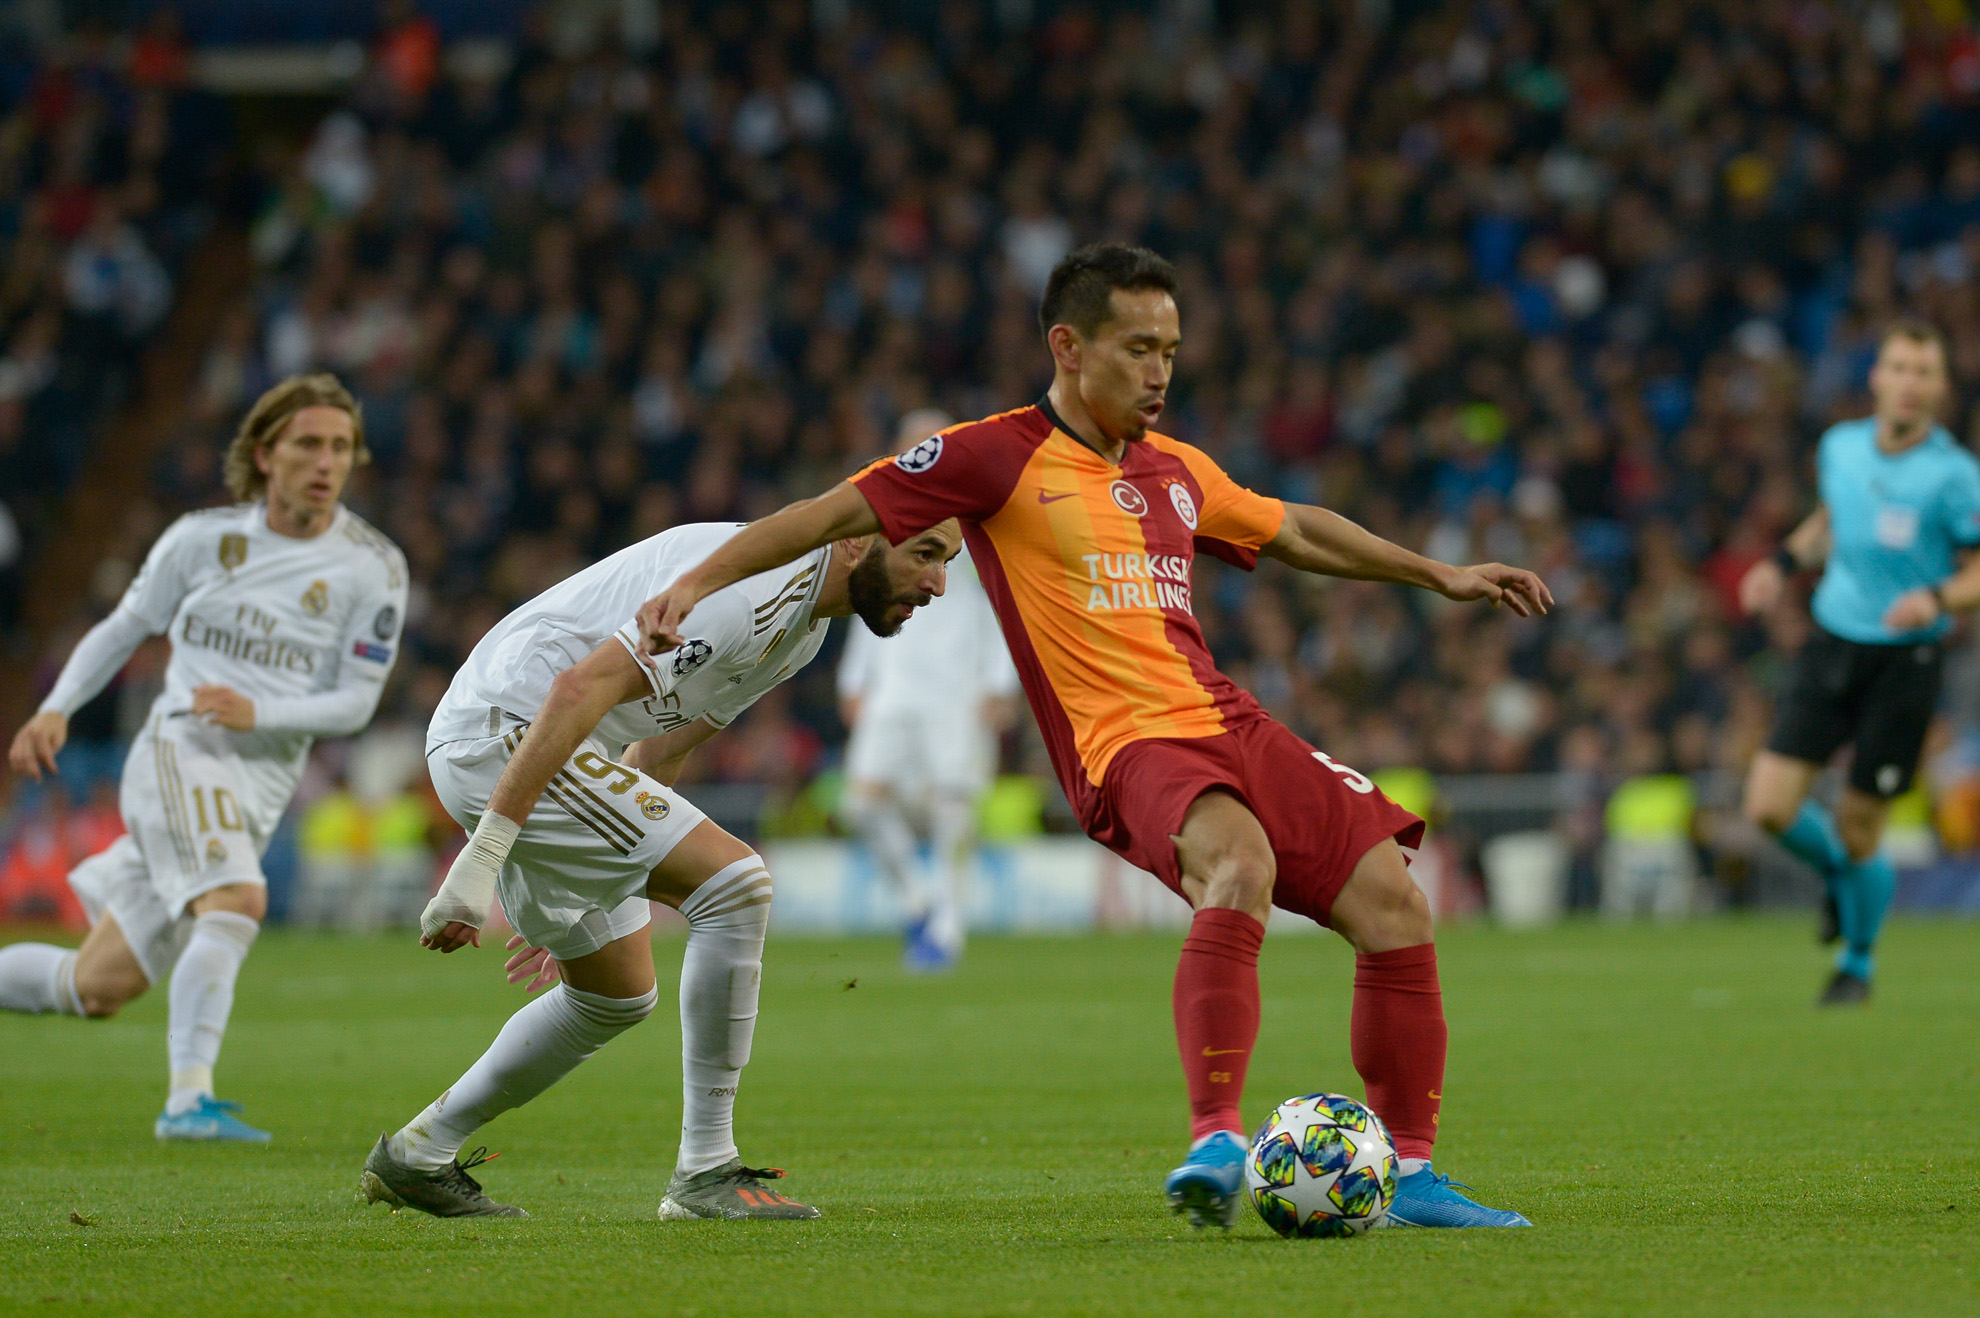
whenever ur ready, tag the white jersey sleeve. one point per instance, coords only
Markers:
(161, 584)
(103, 650)
(740, 641)
(364, 660)
(147, 609)
(717, 631)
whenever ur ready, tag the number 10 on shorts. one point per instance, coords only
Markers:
(226, 810)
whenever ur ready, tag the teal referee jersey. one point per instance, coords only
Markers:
(1897, 522)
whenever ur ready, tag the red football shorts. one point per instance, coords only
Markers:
(1321, 818)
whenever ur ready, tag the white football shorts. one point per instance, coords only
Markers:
(190, 804)
(116, 880)
(914, 749)
(576, 877)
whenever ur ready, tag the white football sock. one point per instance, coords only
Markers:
(539, 1045)
(1410, 1166)
(888, 838)
(202, 997)
(37, 977)
(952, 822)
(723, 969)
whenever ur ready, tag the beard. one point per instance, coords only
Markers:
(867, 588)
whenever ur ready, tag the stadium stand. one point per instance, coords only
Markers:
(1568, 285)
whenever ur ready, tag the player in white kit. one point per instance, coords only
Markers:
(556, 747)
(284, 613)
(925, 709)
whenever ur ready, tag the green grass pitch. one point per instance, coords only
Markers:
(1688, 1133)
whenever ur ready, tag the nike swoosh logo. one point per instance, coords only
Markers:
(1439, 1097)
(1220, 1052)
(1053, 498)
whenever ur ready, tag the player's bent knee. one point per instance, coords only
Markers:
(103, 996)
(1859, 842)
(1860, 824)
(249, 899)
(1252, 879)
(1764, 809)
(1236, 880)
(1405, 914)
(1382, 909)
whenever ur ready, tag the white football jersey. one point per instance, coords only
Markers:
(269, 615)
(952, 651)
(739, 642)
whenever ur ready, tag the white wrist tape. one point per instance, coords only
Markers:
(469, 889)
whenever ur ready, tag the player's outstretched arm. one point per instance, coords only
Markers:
(103, 650)
(579, 697)
(37, 743)
(1315, 540)
(840, 513)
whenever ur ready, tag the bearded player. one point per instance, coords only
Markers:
(557, 748)
(1899, 511)
(283, 612)
(1083, 523)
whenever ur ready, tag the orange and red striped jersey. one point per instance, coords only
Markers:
(1087, 563)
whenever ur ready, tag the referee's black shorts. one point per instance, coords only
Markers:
(1877, 698)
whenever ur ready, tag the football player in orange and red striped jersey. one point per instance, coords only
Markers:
(1084, 522)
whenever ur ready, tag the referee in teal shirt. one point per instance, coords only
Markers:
(1899, 513)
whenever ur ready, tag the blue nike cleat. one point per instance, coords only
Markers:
(1424, 1198)
(212, 1119)
(1210, 1186)
(924, 954)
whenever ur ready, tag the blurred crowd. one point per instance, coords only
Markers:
(110, 171)
(1569, 285)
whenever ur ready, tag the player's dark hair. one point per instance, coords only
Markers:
(1918, 330)
(1081, 288)
(263, 424)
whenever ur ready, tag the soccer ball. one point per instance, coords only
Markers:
(1321, 1165)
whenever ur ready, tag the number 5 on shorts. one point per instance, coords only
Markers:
(1355, 780)
(596, 766)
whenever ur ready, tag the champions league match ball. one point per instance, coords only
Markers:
(1321, 1165)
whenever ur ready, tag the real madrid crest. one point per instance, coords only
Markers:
(233, 550)
(316, 599)
(651, 804)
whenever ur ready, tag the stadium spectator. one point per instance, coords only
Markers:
(108, 174)
(1571, 285)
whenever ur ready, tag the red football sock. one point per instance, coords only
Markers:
(1216, 1004)
(1398, 1038)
